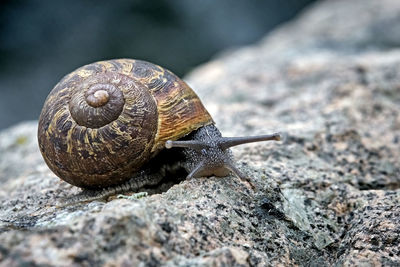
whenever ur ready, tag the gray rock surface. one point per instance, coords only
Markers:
(329, 195)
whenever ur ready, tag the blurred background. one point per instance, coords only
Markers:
(42, 40)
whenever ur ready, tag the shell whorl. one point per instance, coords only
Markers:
(98, 100)
(103, 121)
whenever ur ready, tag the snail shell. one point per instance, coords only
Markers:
(103, 121)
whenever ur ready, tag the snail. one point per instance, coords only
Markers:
(102, 124)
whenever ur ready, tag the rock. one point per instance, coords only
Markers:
(19, 151)
(329, 195)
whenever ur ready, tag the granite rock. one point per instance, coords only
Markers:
(328, 195)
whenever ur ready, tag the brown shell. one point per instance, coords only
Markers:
(102, 122)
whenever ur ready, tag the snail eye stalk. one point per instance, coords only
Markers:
(227, 142)
(223, 142)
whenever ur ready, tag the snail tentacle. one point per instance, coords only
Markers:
(227, 142)
(199, 167)
(193, 144)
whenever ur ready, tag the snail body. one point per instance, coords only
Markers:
(104, 121)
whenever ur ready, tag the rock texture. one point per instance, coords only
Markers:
(329, 195)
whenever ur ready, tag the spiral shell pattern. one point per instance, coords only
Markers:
(102, 122)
